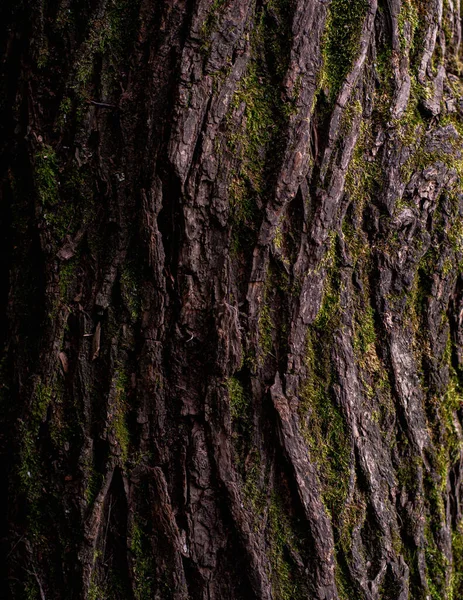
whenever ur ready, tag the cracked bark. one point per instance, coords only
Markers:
(232, 332)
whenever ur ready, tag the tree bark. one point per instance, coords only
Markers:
(232, 332)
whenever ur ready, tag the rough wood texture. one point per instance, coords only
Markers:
(232, 331)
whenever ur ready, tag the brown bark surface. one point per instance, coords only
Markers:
(232, 325)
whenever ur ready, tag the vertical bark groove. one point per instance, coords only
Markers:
(231, 238)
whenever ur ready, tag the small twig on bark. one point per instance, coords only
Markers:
(20, 539)
(102, 104)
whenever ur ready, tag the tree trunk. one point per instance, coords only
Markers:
(232, 330)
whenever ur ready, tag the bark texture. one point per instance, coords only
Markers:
(232, 330)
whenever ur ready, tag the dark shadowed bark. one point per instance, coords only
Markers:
(232, 325)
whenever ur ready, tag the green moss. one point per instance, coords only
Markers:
(281, 571)
(29, 468)
(266, 328)
(455, 237)
(278, 239)
(437, 568)
(437, 564)
(408, 23)
(261, 107)
(123, 25)
(46, 176)
(110, 37)
(363, 176)
(64, 111)
(285, 583)
(384, 92)
(97, 591)
(66, 276)
(328, 313)
(341, 42)
(239, 400)
(242, 422)
(95, 481)
(457, 552)
(411, 128)
(373, 375)
(452, 401)
(119, 417)
(418, 15)
(371, 371)
(343, 582)
(256, 142)
(130, 289)
(43, 54)
(254, 488)
(42, 399)
(441, 407)
(325, 429)
(247, 456)
(327, 439)
(31, 588)
(210, 24)
(65, 193)
(365, 334)
(142, 563)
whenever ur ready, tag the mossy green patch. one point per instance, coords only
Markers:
(261, 108)
(247, 455)
(437, 564)
(365, 350)
(95, 481)
(363, 179)
(457, 552)
(239, 400)
(325, 429)
(142, 563)
(256, 141)
(365, 334)
(210, 24)
(119, 416)
(416, 12)
(408, 22)
(266, 328)
(66, 276)
(341, 43)
(111, 37)
(46, 176)
(65, 192)
(241, 420)
(31, 588)
(450, 404)
(254, 486)
(97, 591)
(384, 92)
(29, 469)
(130, 281)
(64, 112)
(123, 23)
(286, 584)
(437, 568)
